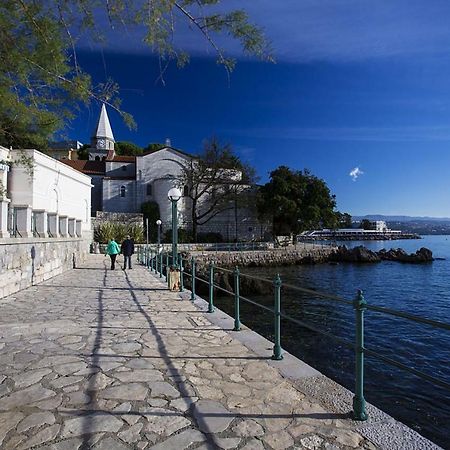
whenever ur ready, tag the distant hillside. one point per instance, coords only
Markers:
(410, 224)
(402, 218)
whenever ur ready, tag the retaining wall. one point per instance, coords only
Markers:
(25, 262)
(264, 258)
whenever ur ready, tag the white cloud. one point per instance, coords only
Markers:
(355, 173)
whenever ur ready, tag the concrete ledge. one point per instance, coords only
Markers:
(33, 240)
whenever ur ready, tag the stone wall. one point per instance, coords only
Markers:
(26, 262)
(306, 254)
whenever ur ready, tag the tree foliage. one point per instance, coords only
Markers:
(296, 201)
(41, 83)
(127, 148)
(344, 220)
(215, 181)
(150, 210)
(153, 147)
(365, 224)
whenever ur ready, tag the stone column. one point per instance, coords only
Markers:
(78, 227)
(4, 203)
(71, 227)
(63, 226)
(40, 222)
(53, 229)
(23, 220)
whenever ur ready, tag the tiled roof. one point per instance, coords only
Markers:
(87, 167)
(120, 158)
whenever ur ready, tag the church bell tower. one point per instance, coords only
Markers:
(103, 140)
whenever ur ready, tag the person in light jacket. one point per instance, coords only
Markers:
(112, 249)
(127, 249)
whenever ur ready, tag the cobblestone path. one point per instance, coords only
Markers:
(111, 360)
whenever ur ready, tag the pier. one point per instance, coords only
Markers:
(103, 359)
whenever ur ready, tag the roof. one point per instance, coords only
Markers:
(149, 152)
(87, 167)
(104, 127)
(122, 158)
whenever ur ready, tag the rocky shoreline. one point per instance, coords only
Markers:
(331, 255)
(362, 254)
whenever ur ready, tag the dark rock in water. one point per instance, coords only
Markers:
(358, 254)
(421, 256)
(362, 254)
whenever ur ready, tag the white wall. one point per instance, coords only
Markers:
(54, 187)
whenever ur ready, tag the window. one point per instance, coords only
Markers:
(123, 191)
(186, 190)
(149, 189)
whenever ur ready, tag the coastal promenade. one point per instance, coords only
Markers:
(109, 360)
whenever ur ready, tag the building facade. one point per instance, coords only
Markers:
(42, 197)
(122, 184)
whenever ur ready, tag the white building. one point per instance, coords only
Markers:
(42, 197)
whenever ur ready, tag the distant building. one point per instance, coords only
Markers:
(123, 183)
(64, 150)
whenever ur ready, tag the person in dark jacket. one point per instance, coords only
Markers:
(127, 249)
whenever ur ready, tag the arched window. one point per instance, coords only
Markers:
(149, 189)
(97, 158)
(186, 190)
(123, 191)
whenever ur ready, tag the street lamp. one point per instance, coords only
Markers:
(174, 195)
(158, 224)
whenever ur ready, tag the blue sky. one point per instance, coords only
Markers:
(359, 87)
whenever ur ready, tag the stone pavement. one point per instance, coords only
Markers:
(112, 360)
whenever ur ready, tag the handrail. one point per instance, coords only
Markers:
(359, 305)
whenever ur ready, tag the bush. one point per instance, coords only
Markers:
(184, 236)
(109, 230)
(209, 238)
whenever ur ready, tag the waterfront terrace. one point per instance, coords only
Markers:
(105, 359)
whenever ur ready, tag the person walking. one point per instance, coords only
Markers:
(112, 249)
(127, 250)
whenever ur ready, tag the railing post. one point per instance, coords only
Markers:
(161, 264)
(211, 288)
(167, 266)
(237, 319)
(193, 279)
(359, 403)
(168, 271)
(277, 312)
(180, 258)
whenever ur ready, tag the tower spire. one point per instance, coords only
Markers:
(102, 142)
(104, 127)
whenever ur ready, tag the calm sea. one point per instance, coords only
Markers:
(423, 290)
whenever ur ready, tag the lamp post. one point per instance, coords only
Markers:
(174, 195)
(158, 224)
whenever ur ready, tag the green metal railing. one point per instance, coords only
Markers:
(359, 305)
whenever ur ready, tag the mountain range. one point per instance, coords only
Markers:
(402, 218)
